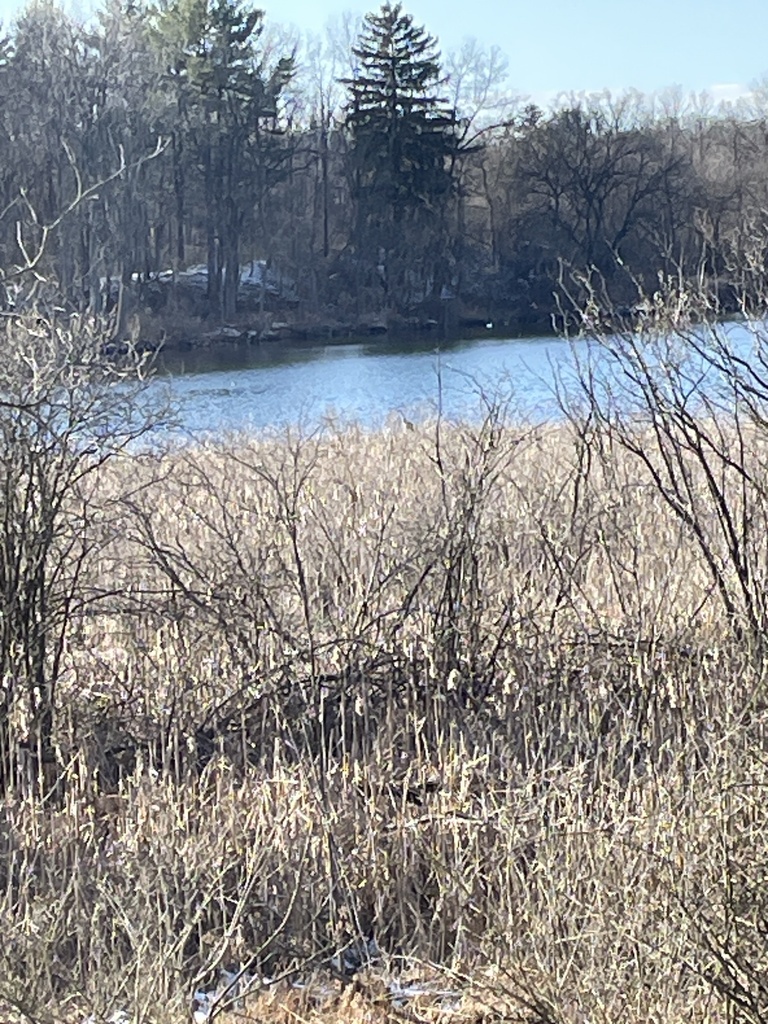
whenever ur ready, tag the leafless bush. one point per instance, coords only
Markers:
(466, 688)
(66, 408)
(682, 396)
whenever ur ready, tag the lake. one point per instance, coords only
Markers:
(275, 385)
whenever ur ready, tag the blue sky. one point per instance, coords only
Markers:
(580, 45)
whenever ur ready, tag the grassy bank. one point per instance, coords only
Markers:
(469, 691)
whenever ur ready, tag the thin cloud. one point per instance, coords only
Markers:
(728, 92)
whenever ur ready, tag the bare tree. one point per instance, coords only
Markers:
(70, 400)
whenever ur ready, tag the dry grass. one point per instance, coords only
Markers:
(444, 685)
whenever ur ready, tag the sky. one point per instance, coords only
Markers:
(557, 46)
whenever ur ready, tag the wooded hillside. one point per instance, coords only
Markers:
(370, 172)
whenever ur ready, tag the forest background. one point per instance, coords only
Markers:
(367, 176)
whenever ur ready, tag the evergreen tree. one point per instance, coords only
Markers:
(403, 145)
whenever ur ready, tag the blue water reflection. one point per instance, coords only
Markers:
(274, 386)
(277, 385)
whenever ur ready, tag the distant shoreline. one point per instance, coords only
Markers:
(201, 337)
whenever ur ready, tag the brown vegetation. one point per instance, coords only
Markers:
(492, 696)
(469, 689)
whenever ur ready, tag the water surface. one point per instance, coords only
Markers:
(280, 384)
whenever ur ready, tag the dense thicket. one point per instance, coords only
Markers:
(372, 174)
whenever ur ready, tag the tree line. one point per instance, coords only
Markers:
(369, 170)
